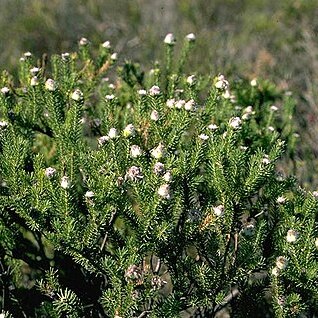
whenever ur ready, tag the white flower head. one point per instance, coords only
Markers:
(89, 194)
(316, 242)
(154, 90)
(248, 110)
(114, 57)
(191, 37)
(221, 82)
(271, 128)
(292, 236)
(227, 94)
(34, 71)
(135, 151)
(158, 152)
(27, 54)
(65, 182)
(189, 105)
(179, 103)
(274, 108)
(77, 95)
(169, 39)
(164, 191)
(3, 124)
(159, 168)
(281, 200)
(253, 82)
(111, 86)
(129, 131)
(154, 115)
(134, 173)
(213, 127)
(113, 133)
(203, 137)
(281, 262)
(167, 176)
(275, 271)
(102, 140)
(106, 45)
(50, 172)
(83, 42)
(110, 97)
(50, 85)
(34, 81)
(142, 92)
(266, 161)
(315, 194)
(235, 122)
(191, 79)
(5, 90)
(65, 56)
(170, 102)
(218, 210)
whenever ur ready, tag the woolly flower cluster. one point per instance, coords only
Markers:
(281, 264)
(189, 105)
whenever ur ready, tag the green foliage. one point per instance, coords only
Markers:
(150, 197)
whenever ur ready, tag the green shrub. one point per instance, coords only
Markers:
(149, 194)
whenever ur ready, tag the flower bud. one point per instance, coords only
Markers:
(65, 182)
(102, 140)
(189, 105)
(113, 133)
(89, 194)
(292, 236)
(34, 71)
(191, 80)
(167, 176)
(5, 90)
(281, 262)
(129, 131)
(221, 83)
(65, 56)
(154, 90)
(134, 173)
(169, 39)
(50, 85)
(235, 122)
(281, 200)
(3, 124)
(83, 42)
(179, 103)
(106, 45)
(164, 191)
(274, 108)
(170, 102)
(50, 172)
(253, 82)
(142, 92)
(154, 115)
(114, 57)
(158, 152)
(135, 151)
(77, 95)
(191, 37)
(203, 137)
(159, 168)
(218, 210)
(34, 81)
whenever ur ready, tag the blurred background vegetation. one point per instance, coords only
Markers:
(275, 40)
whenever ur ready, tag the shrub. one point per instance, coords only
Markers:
(155, 195)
